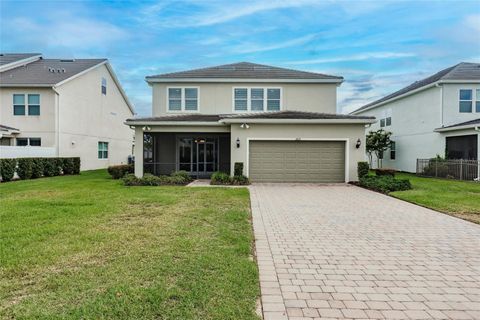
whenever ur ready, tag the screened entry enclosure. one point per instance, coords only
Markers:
(198, 154)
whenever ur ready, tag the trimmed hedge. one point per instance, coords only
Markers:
(221, 178)
(385, 184)
(179, 178)
(32, 168)
(120, 171)
(385, 172)
(238, 169)
(7, 169)
(362, 169)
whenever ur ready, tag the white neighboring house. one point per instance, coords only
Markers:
(64, 108)
(439, 115)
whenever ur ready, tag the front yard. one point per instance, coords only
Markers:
(87, 247)
(458, 198)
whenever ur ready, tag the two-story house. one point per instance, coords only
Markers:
(280, 123)
(63, 108)
(439, 115)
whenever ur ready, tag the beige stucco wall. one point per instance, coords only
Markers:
(348, 132)
(87, 117)
(451, 113)
(217, 98)
(42, 126)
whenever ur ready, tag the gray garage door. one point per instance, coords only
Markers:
(297, 161)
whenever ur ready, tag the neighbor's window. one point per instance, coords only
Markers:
(388, 121)
(18, 104)
(34, 142)
(273, 99)
(241, 99)
(382, 123)
(392, 150)
(477, 103)
(33, 104)
(104, 86)
(102, 150)
(465, 100)
(257, 99)
(182, 99)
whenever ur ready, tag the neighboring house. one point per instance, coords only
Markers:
(280, 123)
(65, 108)
(439, 115)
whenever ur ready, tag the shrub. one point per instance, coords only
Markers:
(131, 180)
(7, 169)
(76, 165)
(362, 169)
(385, 172)
(151, 180)
(24, 168)
(119, 171)
(385, 183)
(37, 168)
(238, 169)
(240, 180)
(219, 177)
(68, 165)
(50, 167)
(181, 175)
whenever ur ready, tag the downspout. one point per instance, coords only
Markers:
(57, 120)
(478, 152)
(441, 103)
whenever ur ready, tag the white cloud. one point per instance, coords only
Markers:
(356, 57)
(251, 48)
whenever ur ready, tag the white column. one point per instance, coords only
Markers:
(139, 151)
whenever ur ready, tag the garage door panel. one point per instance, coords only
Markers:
(297, 161)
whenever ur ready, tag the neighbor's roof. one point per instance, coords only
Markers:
(461, 125)
(7, 128)
(7, 58)
(461, 71)
(271, 116)
(245, 71)
(46, 72)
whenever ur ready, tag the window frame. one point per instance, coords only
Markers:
(183, 99)
(460, 100)
(387, 120)
(34, 105)
(28, 139)
(382, 123)
(393, 150)
(103, 143)
(19, 105)
(477, 101)
(249, 99)
(104, 80)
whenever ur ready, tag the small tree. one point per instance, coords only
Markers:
(377, 143)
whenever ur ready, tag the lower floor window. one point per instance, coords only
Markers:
(393, 150)
(34, 142)
(102, 150)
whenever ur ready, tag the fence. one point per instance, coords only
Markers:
(452, 169)
(26, 152)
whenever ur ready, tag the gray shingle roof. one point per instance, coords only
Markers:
(293, 115)
(461, 124)
(7, 128)
(461, 71)
(39, 73)
(244, 70)
(6, 58)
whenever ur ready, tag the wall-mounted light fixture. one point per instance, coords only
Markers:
(147, 128)
(359, 143)
(244, 126)
(238, 142)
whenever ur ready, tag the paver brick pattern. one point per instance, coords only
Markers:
(342, 252)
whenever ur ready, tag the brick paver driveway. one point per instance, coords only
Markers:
(343, 252)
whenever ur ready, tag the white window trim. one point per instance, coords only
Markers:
(27, 104)
(472, 100)
(108, 150)
(249, 100)
(28, 141)
(182, 110)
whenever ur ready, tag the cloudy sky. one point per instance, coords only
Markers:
(378, 46)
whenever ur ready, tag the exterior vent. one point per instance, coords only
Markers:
(67, 60)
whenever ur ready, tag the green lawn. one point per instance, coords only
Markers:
(458, 198)
(86, 247)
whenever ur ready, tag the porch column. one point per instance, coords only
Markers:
(139, 151)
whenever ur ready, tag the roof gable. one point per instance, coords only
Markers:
(461, 71)
(244, 70)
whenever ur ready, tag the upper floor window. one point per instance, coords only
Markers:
(19, 105)
(477, 103)
(256, 99)
(182, 99)
(104, 86)
(466, 100)
(385, 122)
(34, 142)
(102, 150)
